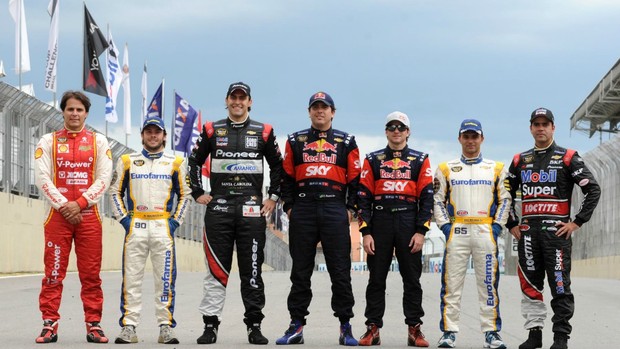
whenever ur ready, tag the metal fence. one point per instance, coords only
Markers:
(23, 121)
(599, 237)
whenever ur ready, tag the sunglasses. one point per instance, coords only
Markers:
(399, 127)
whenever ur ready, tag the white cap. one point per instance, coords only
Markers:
(398, 116)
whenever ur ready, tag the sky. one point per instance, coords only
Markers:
(437, 61)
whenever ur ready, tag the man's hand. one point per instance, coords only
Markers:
(516, 232)
(76, 219)
(70, 210)
(268, 206)
(566, 229)
(204, 199)
(416, 243)
(369, 244)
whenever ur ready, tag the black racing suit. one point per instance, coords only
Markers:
(233, 215)
(321, 174)
(395, 201)
(546, 178)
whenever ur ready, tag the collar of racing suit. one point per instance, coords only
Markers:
(152, 156)
(471, 161)
(552, 145)
(238, 124)
(321, 134)
(391, 151)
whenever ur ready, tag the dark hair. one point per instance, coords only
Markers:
(80, 96)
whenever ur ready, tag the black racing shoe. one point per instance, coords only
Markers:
(560, 341)
(534, 339)
(209, 335)
(255, 336)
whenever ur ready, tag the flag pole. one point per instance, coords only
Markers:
(107, 59)
(19, 44)
(174, 104)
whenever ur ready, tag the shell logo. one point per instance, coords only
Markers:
(38, 153)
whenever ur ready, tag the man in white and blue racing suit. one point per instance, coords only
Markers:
(471, 206)
(145, 188)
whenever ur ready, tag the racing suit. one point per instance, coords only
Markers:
(395, 200)
(471, 207)
(320, 182)
(72, 166)
(143, 193)
(233, 215)
(546, 178)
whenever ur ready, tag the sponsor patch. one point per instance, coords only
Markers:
(456, 169)
(63, 148)
(221, 132)
(38, 153)
(138, 162)
(251, 142)
(109, 154)
(85, 147)
(251, 211)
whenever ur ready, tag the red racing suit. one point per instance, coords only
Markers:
(321, 174)
(471, 207)
(395, 201)
(546, 178)
(72, 166)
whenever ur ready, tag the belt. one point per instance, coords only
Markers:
(151, 215)
(473, 220)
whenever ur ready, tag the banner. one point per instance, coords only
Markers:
(184, 118)
(126, 92)
(22, 53)
(52, 47)
(94, 45)
(155, 108)
(114, 81)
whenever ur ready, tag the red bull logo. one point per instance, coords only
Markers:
(395, 165)
(320, 146)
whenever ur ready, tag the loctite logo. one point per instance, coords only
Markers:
(530, 176)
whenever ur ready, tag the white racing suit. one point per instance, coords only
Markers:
(143, 192)
(471, 206)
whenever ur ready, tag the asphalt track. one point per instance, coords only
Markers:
(595, 324)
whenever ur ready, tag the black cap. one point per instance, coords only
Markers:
(238, 86)
(544, 112)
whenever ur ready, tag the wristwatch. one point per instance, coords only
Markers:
(274, 197)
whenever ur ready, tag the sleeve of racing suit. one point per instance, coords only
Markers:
(182, 190)
(440, 189)
(43, 172)
(513, 184)
(502, 196)
(365, 196)
(103, 174)
(582, 176)
(425, 197)
(195, 161)
(354, 169)
(118, 187)
(288, 177)
(274, 159)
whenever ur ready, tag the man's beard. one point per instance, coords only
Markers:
(157, 149)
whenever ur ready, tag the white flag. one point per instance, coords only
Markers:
(52, 47)
(22, 53)
(144, 94)
(113, 82)
(126, 92)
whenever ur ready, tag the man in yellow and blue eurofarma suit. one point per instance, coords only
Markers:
(145, 187)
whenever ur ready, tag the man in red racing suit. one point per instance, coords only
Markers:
(73, 169)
